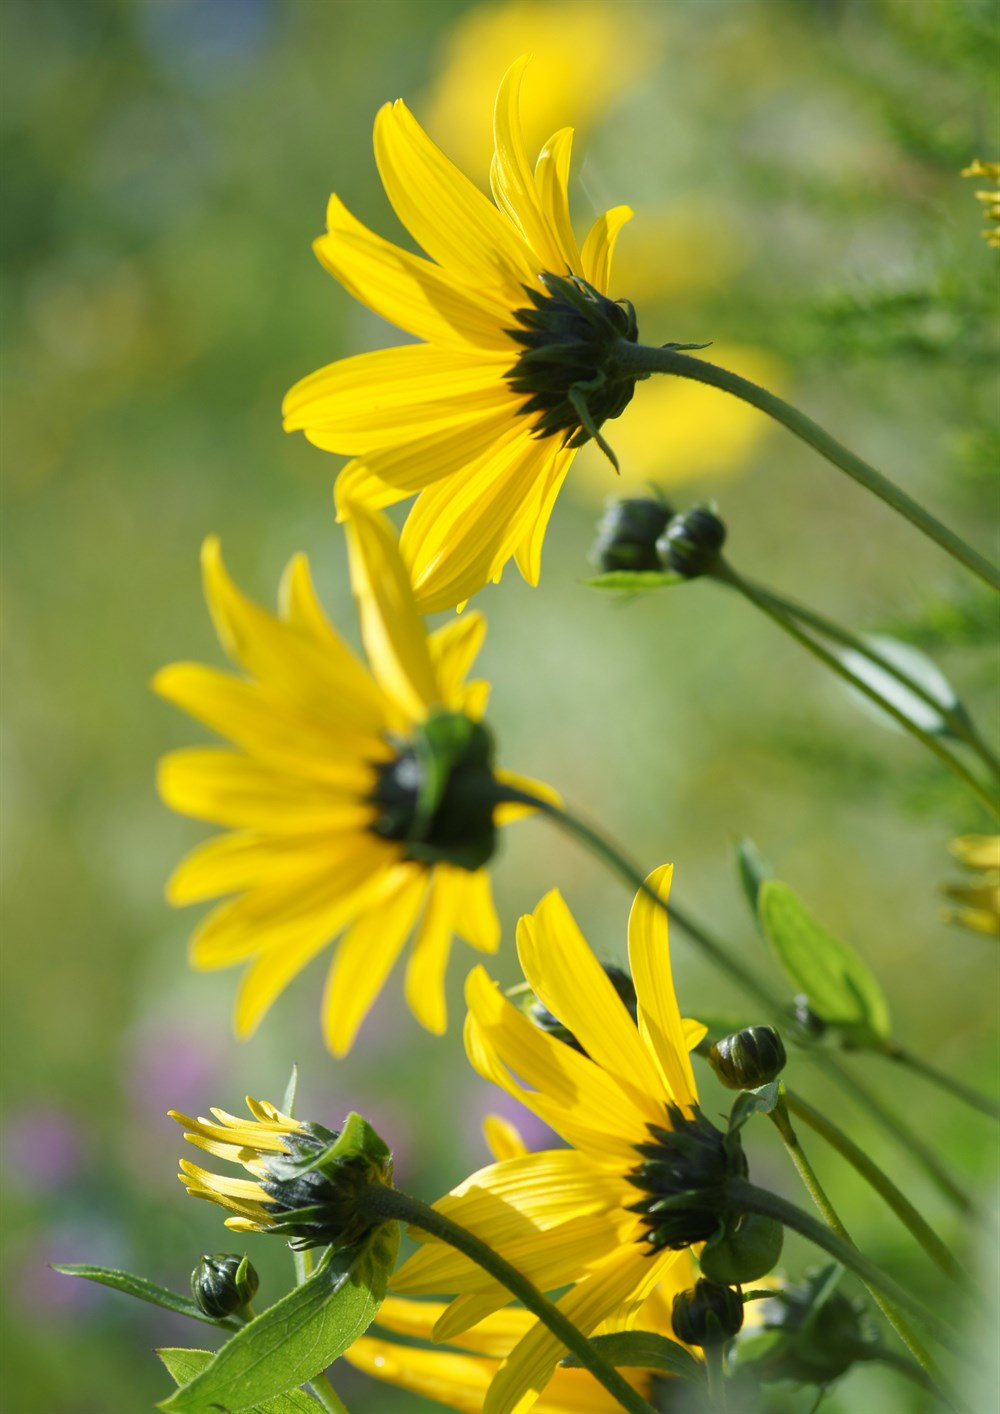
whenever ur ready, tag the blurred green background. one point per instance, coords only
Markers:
(794, 169)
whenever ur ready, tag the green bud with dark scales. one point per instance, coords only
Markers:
(438, 795)
(569, 332)
(315, 1191)
(684, 1176)
(707, 1314)
(749, 1058)
(627, 534)
(809, 1332)
(691, 543)
(223, 1283)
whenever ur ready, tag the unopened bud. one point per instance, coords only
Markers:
(223, 1283)
(627, 534)
(691, 543)
(707, 1314)
(749, 1058)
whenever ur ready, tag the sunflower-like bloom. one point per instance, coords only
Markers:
(484, 416)
(306, 1178)
(570, 1217)
(990, 199)
(978, 904)
(357, 802)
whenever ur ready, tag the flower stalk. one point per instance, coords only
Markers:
(382, 1203)
(640, 359)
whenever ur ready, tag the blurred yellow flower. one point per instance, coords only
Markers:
(356, 801)
(979, 902)
(483, 418)
(662, 436)
(584, 56)
(570, 1217)
(990, 199)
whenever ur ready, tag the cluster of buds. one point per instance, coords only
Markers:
(644, 534)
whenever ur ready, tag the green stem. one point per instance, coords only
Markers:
(888, 1121)
(715, 1376)
(816, 1191)
(639, 359)
(725, 574)
(881, 1182)
(748, 1198)
(327, 1396)
(625, 869)
(957, 721)
(382, 1203)
(972, 1097)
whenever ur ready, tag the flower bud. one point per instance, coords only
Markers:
(223, 1284)
(684, 1178)
(627, 534)
(748, 1058)
(810, 1333)
(691, 543)
(707, 1314)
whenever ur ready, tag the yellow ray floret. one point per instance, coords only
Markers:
(464, 419)
(567, 1217)
(314, 795)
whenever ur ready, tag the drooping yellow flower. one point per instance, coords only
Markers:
(989, 199)
(570, 1217)
(307, 1180)
(978, 903)
(356, 800)
(484, 416)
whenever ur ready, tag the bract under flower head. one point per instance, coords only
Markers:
(482, 418)
(358, 801)
(565, 1217)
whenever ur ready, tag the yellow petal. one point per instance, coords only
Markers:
(391, 397)
(659, 1015)
(476, 918)
(228, 788)
(510, 810)
(410, 292)
(366, 956)
(511, 178)
(528, 549)
(503, 1139)
(599, 247)
(425, 971)
(453, 649)
(446, 213)
(232, 863)
(392, 630)
(552, 182)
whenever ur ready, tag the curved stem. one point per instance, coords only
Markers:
(889, 1121)
(381, 1202)
(326, 1395)
(725, 574)
(975, 1098)
(748, 1198)
(639, 359)
(957, 721)
(715, 1375)
(628, 871)
(908, 1215)
(816, 1191)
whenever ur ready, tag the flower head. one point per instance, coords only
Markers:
(484, 416)
(569, 1217)
(359, 802)
(306, 1178)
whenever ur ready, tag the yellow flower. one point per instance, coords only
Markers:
(484, 416)
(307, 1179)
(569, 1217)
(978, 903)
(357, 802)
(990, 199)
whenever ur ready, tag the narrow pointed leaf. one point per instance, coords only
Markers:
(839, 986)
(753, 869)
(634, 580)
(183, 1365)
(647, 1350)
(144, 1290)
(914, 665)
(300, 1335)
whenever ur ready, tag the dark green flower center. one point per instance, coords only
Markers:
(568, 333)
(315, 1190)
(684, 1176)
(437, 795)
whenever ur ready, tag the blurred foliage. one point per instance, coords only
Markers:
(794, 168)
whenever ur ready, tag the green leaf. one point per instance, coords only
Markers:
(288, 1104)
(838, 985)
(300, 1335)
(912, 664)
(746, 1253)
(634, 580)
(184, 1365)
(648, 1350)
(144, 1290)
(753, 869)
